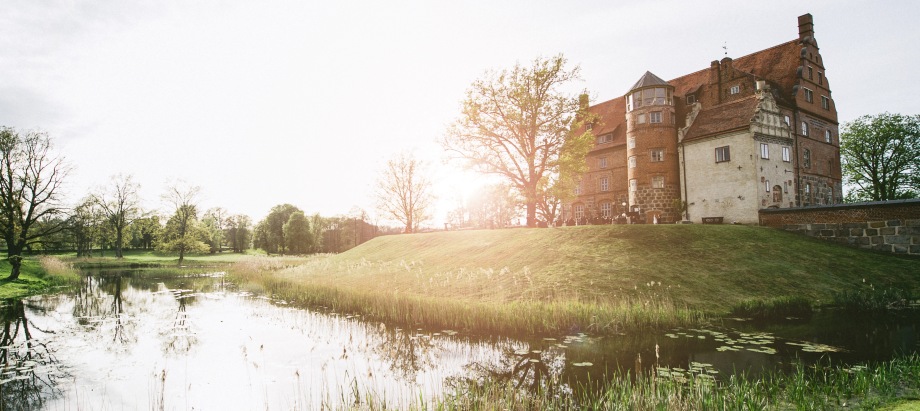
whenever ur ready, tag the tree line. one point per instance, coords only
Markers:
(518, 124)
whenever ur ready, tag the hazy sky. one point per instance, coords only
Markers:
(268, 102)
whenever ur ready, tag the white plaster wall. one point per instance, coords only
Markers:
(728, 189)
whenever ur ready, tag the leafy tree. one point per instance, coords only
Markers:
(85, 225)
(214, 221)
(145, 232)
(404, 191)
(269, 233)
(31, 177)
(120, 203)
(182, 233)
(238, 232)
(297, 235)
(881, 156)
(519, 124)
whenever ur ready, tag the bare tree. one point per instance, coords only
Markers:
(404, 191)
(31, 177)
(120, 203)
(519, 125)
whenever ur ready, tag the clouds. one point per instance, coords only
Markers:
(289, 101)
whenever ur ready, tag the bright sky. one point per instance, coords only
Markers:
(302, 102)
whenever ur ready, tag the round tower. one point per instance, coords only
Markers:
(651, 150)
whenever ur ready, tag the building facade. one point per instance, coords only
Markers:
(745, 134)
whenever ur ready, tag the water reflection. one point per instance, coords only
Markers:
(132, 338)
(29, 371)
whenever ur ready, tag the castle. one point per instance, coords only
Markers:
(745, 134)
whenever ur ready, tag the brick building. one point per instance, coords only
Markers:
(745, 134)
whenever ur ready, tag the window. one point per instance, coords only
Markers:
(632, 161)
(589, 126)
(786, 119)
(806, 158)
(734, 90)
(691, 98)
(606, 138)
(786, 154)
(605, 184)
(658, 182)
(764, 151)
(657, 155)
(578, 188)
(631, 142)
(640, 118)
(811, 73)
(606, 210)
(825, 103)
(809, 96)
(766, 185)
(820, 78)
(808, 192)
(722, 154)
(602, 162)
(579, 211)
(785, 186)
(827, 136)
(804, 128)
(632, 185)
(654, 117)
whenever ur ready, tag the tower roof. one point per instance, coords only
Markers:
(649, 79)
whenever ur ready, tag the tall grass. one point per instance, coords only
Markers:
(480, 301)
(818, 387)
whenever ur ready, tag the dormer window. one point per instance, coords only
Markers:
(735, 90)
(691, 98)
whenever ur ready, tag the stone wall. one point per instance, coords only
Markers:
(890, 226)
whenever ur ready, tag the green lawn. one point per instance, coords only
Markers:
(600, 277)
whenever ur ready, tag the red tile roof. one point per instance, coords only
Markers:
(723, 117)
(776, 64)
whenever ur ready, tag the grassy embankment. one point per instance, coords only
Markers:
(147, 258)
(601, 279)
(42, 273)
(36, 275)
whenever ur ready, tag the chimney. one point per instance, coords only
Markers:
(714, 72)
(727, 66)
(583, 100)
(806, 27)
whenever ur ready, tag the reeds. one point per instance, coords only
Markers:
(483, 300)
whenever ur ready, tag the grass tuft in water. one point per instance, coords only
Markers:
(774, 309)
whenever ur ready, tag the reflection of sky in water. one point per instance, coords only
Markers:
(224, 350)
(125, 342)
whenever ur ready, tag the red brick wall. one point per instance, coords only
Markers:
(892, 226)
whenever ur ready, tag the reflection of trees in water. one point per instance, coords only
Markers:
(99, 305)
(535, 369)
(29, 371)
(178, 335)
(406, 352)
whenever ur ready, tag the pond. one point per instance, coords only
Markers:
(128, 339)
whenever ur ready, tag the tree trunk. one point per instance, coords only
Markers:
(15, 262)
(118, 241)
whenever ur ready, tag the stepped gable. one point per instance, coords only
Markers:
(611, 115)
(735, 115)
